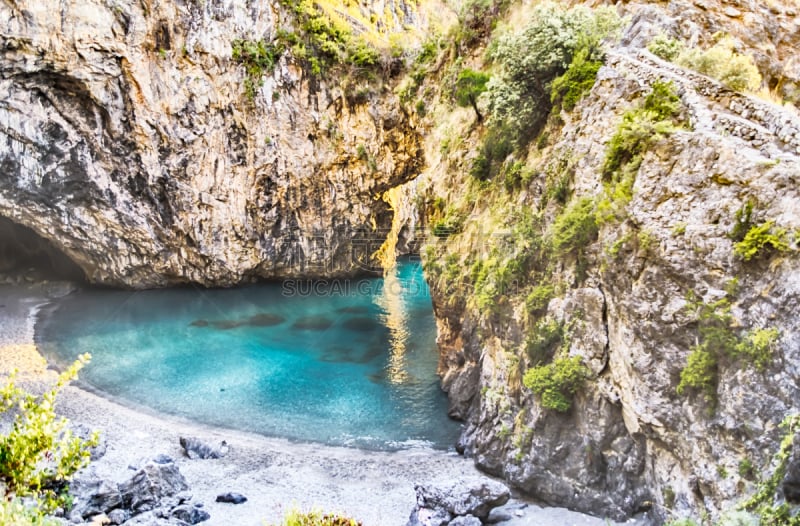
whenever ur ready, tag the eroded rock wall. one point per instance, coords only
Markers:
(630, 441)
(126, 138)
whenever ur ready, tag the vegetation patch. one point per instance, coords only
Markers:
(718, 341)
(658, 116)
(317, 518)
(39, 454)
(258, 58)
(737, 71)
(761, 240)
(575, 228)
(576, 81)
(557, 382)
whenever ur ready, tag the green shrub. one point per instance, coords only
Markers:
(761, 240)
(317, 518)
(718, 340)
(700, 373)
(531, 58)
(15, 513)
(743, 222)
(541, 342)
(497, 146)
(470, 85)
(576, 81)
(665, 47)
(721, 62)
(557, 382)
(746, 469)
(642, 126)
(257, 57)
(539, 297)
(39, 454)
(575, 227)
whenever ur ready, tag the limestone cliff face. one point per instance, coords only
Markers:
(629, 442)
(128, 141)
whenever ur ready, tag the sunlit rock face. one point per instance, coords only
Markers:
(129, 142)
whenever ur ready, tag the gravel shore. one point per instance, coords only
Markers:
(276, 475)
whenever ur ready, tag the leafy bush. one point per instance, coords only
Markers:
(665, 47)
(39, 454)
(497, 146)
(539, 297)
(477, 19)
(16, 513)
(530, 59)
(761, 240)
(469, 86)
(557, 382)
(540, 343)
(575, 227)
(743, 222)
(717, 340)
(257, 57)
(317, 518)
(579, 78)
(721, 62)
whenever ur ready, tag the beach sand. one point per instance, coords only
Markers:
(274, 474)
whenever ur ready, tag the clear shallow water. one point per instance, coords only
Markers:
(346, 362)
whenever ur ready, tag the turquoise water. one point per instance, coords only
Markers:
(349, 362)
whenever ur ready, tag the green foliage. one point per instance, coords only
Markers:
(761, 240)
(516, 176)
(557, 382)
(322, 42)
(642, 126)
(665, 47)
(575, 227)
(470, 84)
(317, 518)
(763, 502)
(258, 58)
(493, 279)
(539, 297)
(721, 62)
(576, 81)
(657, 117)
(746, 469)
(497, 146)
(476, 20)
(757, 347)
(16, 513)
(541, 342)
(531, 58)
(743, 222)
(700, 373)
(718, 340)
(39, 454)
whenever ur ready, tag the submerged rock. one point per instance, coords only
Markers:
(312, 323)
(265, 319)
(195, 448)
(362, 324)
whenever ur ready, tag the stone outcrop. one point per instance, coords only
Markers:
(630, 442)
(127, 140)
(457, 502)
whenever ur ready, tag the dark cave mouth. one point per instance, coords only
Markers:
(27, 256)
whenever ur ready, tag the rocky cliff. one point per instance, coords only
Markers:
(638, 295)
(130, 142)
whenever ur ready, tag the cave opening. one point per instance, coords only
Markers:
(27, 256)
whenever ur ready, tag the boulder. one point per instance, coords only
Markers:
(466, 520)
(150, 484)
(475, 496)
(429, 517)
(232, 498)
(195, 448)
(190, 514)
(93, 497)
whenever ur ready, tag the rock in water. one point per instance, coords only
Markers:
(150, 484)
(439, 503)
(195, 448)
(232, 498)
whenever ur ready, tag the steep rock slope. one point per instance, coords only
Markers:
(129, 142)
(632, 300)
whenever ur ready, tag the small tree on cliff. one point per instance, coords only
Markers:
(469, 86)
